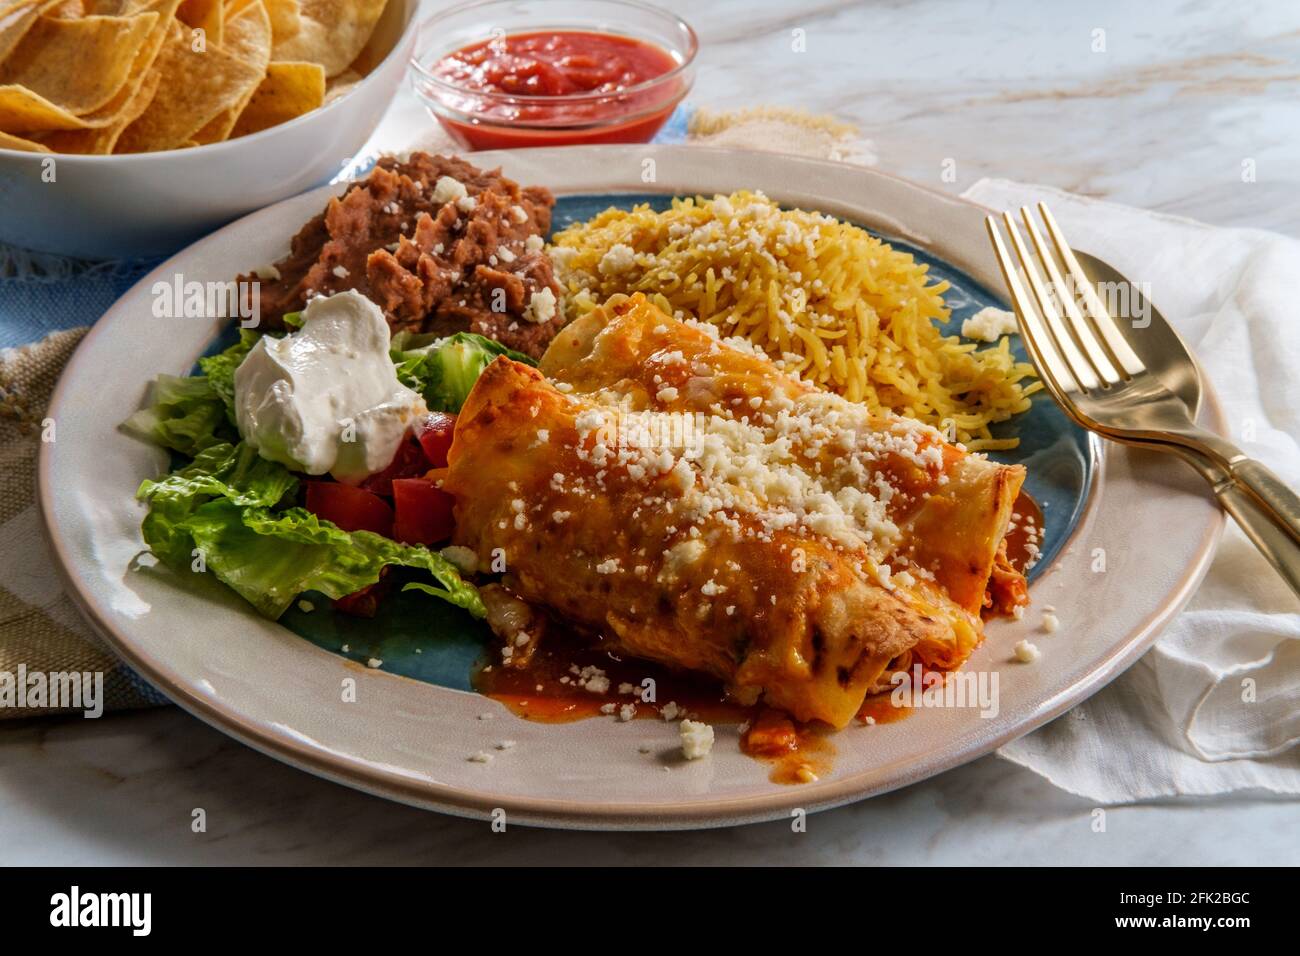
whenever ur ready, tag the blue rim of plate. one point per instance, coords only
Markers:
(438, 644)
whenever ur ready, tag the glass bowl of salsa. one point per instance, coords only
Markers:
(500, 74)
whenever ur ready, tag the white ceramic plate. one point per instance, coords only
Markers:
(206, 649)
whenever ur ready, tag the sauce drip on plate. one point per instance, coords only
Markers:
(552, 688)
(1025, 534)
(798, 753)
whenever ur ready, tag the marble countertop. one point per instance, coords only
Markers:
(1162, 106)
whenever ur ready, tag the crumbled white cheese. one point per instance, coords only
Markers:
(591, 678)
(990, 324)
(627, 712)
(270, 273)
(465, 204)
(533, 244)
(1026, 653)
(697, 739)
(541, 306)
(619, 258)
(462, 557)
(521, 216)
(447, 189)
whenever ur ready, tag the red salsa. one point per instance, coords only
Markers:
(598, 67)
(555, 64)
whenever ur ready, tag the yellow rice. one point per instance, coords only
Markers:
(827, 300)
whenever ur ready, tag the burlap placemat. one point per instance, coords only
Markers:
(41, 632)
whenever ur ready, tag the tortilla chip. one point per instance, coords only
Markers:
(195, 88)
(116, 8)
(101, 141)
(289, 91)
(286, 18)
(248, 34)
(113, 111)
(248, 37)
(79, 65)
(16, 19)
(10, 141)
(21, 109)
(207, 15)
(283, 14)
(331, 32)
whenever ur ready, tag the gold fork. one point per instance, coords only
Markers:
(1089, 366)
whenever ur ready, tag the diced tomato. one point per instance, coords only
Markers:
(352, 509)
(407, 462)
(364, 603)
(423, 511)
(435, 431)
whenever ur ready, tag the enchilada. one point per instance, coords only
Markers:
(952, 509)
(682, 500)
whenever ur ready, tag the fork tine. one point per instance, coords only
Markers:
(1051, 368)
(1124, 355)
(1057, 334)
(1083, 334)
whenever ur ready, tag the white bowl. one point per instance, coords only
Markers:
(149, 204)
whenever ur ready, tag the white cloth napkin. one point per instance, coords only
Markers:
(1176, 723)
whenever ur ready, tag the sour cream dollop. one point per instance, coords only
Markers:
(326, 398)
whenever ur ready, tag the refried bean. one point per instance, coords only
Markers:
(470, 264)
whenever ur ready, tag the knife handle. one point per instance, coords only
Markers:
(1261, 527)
(1269, 489)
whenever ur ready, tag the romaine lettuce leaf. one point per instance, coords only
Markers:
(185, 414)
(188, 413)
(233, 472)
(444, 370)
(221, 504)
(220, 369)
(270, 558)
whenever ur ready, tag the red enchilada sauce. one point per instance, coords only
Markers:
(1025, 535)
(548, 690)
(600, 67)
